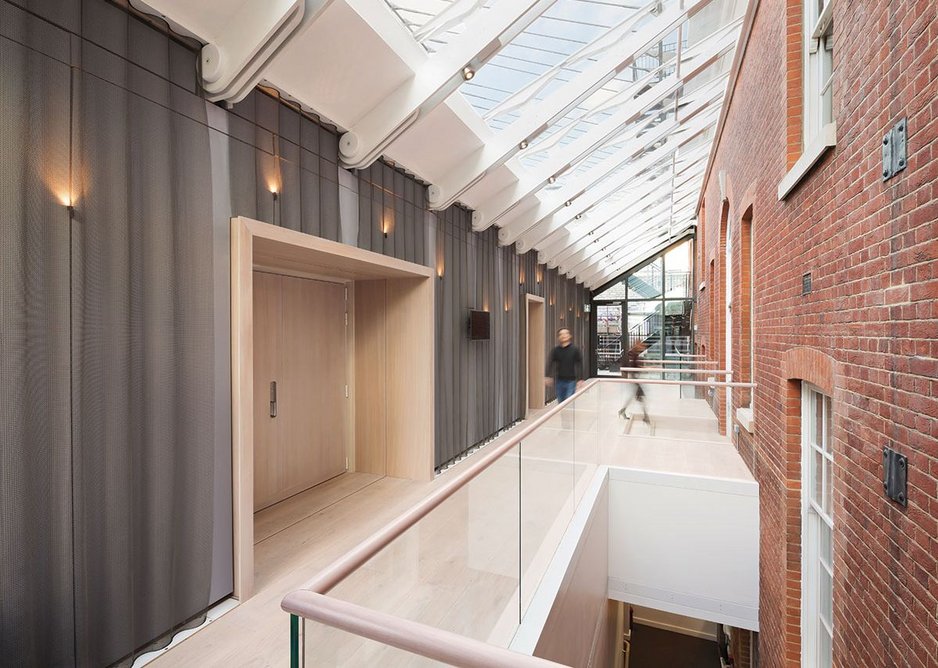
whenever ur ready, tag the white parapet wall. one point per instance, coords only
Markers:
(685, 544)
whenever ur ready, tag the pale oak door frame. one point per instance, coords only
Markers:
(409, 440)
(535, 340)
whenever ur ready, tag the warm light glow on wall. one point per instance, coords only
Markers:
(387, 222)
(439, 269)
(273, 188)
(66, 198)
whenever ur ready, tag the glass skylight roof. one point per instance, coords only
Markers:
(628, 153)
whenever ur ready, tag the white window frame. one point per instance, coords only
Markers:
(819, 129)
(817, 530)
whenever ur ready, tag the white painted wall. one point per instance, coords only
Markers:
(689, 626)
(685, 544)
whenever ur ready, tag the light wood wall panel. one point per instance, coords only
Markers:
(371, 335)
(410, 354)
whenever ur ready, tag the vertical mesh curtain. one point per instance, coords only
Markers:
(35, 482)
(106, 345)
(143, 374)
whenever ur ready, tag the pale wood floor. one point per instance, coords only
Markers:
(459, 569)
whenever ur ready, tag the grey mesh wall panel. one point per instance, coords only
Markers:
(115, 416)
(36, 597)
(392, 202)
(143, 363)
(481, 384)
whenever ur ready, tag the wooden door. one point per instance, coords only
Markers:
(314, 381)
(536, 344)
(300, 345)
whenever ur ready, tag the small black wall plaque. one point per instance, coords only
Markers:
(895, 475)
(895, 149)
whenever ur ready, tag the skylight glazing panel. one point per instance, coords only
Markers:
(556, 44)
(434, 23)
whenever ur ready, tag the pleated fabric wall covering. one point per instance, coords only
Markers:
(481, 384)
(113, 408)
(143, 346)
(36, 595)
(392, 213)
(274, 148)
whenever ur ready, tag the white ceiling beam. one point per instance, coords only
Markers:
(651, 227)
(609, 62)
(567, 240)
(697, 102)
(610, 272)
(598, 194)
(693, 62)
(234, 63)
(627, 229)
(651, 192)
(486, 32)
(662, 224)
(601, 273)
(664, 187)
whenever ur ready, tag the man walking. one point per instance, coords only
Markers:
(564, 366)
(634, 359)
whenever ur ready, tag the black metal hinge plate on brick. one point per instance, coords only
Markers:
(895, 476)
(895, 149)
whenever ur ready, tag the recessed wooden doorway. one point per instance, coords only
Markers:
(390, 366)
(535, 344)
(300, 385)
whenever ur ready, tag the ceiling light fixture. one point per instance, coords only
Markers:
(523, 145)
(467, 73)
(568, 203)
(578, 216)
(552, 179)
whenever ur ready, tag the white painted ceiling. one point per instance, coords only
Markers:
(582, 132)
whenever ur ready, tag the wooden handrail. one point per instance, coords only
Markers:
(681, 361)
(310, 602)
(645, 369)
(414, 637)
(692, 383)
(338, 570)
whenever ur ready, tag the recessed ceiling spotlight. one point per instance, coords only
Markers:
(468, 73)
(523, 145)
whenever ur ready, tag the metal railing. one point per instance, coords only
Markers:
(311, 602)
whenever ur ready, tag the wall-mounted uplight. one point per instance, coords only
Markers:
(68, 202)
(274, 190)
(387, 222)
(468, 73)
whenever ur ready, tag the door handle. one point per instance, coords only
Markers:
(273, 398)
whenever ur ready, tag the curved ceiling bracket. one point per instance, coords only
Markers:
(235, 62)
(486, 32)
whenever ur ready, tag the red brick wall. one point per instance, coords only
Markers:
(868, 330)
